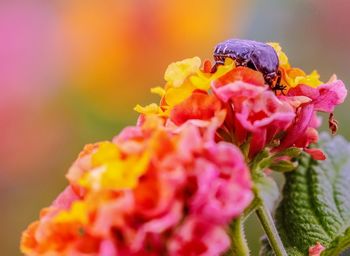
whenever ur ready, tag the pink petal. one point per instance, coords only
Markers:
(299, 127)
(66, 198)
(325, 97)
(316, 250)
(195, 237)
(225, 93)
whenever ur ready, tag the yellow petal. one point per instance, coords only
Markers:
(149, 109)
(177, 72)
(176, 95)
(158, 90)
(106, 152)
(203, 81)
(77, 213)
(312, 80)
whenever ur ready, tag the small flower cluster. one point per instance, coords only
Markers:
(171, 184)
(251, 113)
(146, 193)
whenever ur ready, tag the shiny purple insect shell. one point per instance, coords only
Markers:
(255, 55)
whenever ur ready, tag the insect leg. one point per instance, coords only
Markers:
(279, 77)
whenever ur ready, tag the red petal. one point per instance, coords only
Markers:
(315, 153)
(241, 74)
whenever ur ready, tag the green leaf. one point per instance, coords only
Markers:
(316, 202)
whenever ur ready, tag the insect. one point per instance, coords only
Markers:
(255, 55)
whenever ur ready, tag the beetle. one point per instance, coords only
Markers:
(252, 54)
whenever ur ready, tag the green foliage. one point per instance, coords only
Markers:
(282, 166)
(316, 202)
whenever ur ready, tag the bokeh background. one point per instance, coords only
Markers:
(71, 72)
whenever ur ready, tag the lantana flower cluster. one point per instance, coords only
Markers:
(146, 193)
(172, 184)
(252, 114)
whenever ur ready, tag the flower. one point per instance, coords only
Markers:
(256, 112)
(178, 72)
(316, 250)
(182, 79)
(324, 98)
(199, 105)
(222, 201)
(198, 238)
(172, 183)
(112, 169)
(152, 190)
(245, 110)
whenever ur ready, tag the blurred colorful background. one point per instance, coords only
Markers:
(71, 72)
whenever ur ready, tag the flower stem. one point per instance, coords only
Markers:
(239, 245)
(270, 230)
